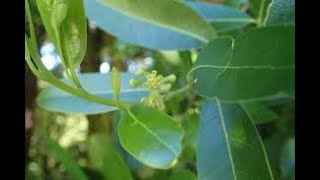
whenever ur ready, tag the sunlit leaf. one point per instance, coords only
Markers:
(151, 136)
(164, 24)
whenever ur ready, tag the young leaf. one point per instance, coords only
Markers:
(165, 24)
(259, 64)
(116, 84)
(281, 12)
(97, 84)
(64, 157)
(222, 18)
(151, 136)
(258, 112)
(229, 146)
(106, 159)
(72, 27)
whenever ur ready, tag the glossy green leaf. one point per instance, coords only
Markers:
(183, 175)
(229, 146)
(72, 29)
(259, 113)
(97, 84)
(151, 136)
(64, 157)
(107, 159)
(281, 12)
(259, 64)
(221, 17)
(165, 24)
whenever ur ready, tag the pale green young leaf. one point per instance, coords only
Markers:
(69, 17)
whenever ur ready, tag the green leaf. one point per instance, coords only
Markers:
(97, 84)
(229, 146)
(165, 24)
(258, 65)
(151, 136)
(116, 84)
(183, 175)
(259, 113)
(222, 18)
(72, 28)
(106, 159)
(281, 12)
(64, 157)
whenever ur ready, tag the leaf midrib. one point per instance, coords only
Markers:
(138, 18)
(153, 134)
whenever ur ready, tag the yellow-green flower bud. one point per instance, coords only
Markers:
(164, 88)
(153, 81)
(191, 111)
(134, 83)
(140, 72)
(171, 78)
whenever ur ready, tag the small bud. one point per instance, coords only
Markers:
(191, 111)
(140, 72)
(165, 88)
(134, 83)
(154, 72)
(172, 78)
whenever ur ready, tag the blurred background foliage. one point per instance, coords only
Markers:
(60, 145)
